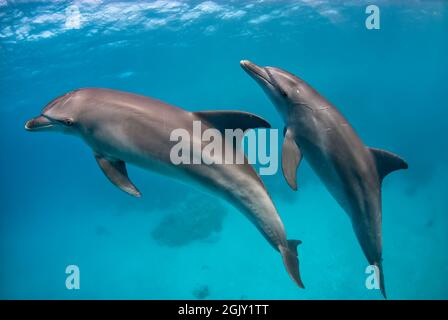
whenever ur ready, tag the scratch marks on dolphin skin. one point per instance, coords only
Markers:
(306, 106)
(65, 97)
(197, 218)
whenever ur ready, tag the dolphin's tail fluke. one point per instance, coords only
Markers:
(291, 260)
(379, 265)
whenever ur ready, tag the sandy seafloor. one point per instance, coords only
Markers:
(175, 243)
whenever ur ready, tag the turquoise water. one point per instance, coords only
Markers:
(58, 209)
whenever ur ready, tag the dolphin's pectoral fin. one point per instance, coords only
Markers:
(229, 119)
(291, 157)
(386, 162)
(116, 172)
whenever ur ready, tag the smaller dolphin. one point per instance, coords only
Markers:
(122, 128)
(352, 172)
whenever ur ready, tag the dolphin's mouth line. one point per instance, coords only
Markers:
(259, 75)
(39, 123)
(41, 127)
(250, 68)
(272, 80)
(268, 80)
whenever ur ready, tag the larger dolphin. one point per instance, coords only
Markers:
(125, 128)
(351, 171)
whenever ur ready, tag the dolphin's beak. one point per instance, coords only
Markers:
(38, 123)
(256, 72)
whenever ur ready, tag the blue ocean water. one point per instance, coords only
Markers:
(176, 243)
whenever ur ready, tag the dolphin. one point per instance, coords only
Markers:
(122, 128)
(351, 171)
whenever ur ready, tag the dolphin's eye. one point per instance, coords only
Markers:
(68, 122)
(283, 93)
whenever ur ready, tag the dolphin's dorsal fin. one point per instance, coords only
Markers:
(386, 162)
(291, 157)
(229, 119)
(116, 172)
